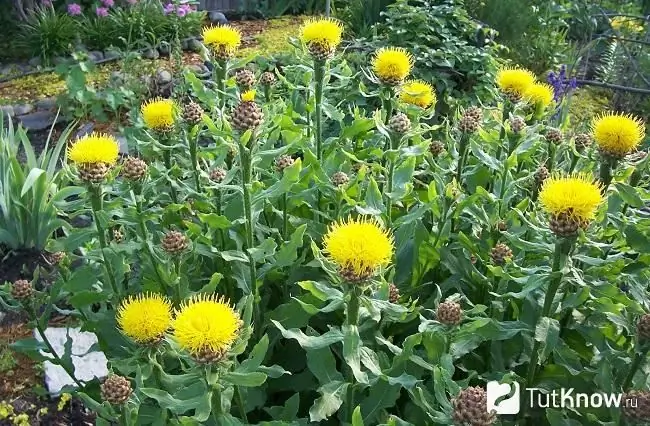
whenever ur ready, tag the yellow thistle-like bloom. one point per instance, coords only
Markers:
(93, 149)
(539, 94)
(144, 318)
(358, 246)
(206, 323)
(392, 65)
(158, 114)
(248, 96)
(515, 80)
(325, 32)
(222, 39)
(618, 134)
(419, 93)
(576, 196)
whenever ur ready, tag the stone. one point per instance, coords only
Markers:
(111, 54)
(150, 54)
(23, 109)
(217, 17)
(7, 111)
(84, 130)
(58, 60)
(95, 55)
(36, 61)
(163, 76)
(46, 103)
(124, 146)
(164, 49)
(185, 44)
(194, 45)
(201, 71)
(39, 120)
(87, 364)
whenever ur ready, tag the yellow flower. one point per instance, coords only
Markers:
(359, 246)
(144, 318)
(392, 65)
(223, 39)
(419, 93)
(577, 196)
(324, 32)
(94, 148)
(248, 96)
(618, 134)
(206, 322)
(515, 80)
(158, 114)
(539, 94)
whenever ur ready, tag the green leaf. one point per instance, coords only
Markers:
(629, 194)
(637, 239)
(357, 419)
(547, 333)
(322, 364)
(31, 179)
(374, 202)
(288, 252)
(321, 291)
(351, 352)
(256, 357)
(251, 379)
(215, 221)
(311, 342)
(330, 401)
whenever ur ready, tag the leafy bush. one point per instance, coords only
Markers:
(360, 15)
(28, 191)
(48, 34)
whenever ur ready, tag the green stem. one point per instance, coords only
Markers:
(145, 240)
(219, 211)
(387, 104)
(462, 154)
(505, 112)
(245, 159)
(241, 404)
(220, 70)
(177, 280)
(96, 200)
(551, 157)
(319, 82)
(639, 357)
(606, 166)
(267, 93)
(352, 319)
(502, 188)
(394, 145)
(167, 158)
(193, 143)
(574, 163)
(562, 248)
(285, 217)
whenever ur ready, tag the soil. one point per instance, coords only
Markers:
(21, 264)
(249, 30)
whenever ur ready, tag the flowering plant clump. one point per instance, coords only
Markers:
(406, 245)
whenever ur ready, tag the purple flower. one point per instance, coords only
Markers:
(46, 2)
(183, 10)
(74, 9)
(108, 3)
(101, 11)
(169, 8)
(562, 85)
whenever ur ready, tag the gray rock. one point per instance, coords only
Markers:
(7, 111)
(23, 109)
(111, 54)
(150, 54)
(35, 61)
(95, 55)
(164, 49)
(39, 120)
(87, 364)
(124, 146)
(84, 130)
(163, 76)
(201, 71)
(185, 44)
(46, 103)
(193, 45)
(58, 60)
(217, 17)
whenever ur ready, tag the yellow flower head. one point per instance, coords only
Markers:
(359, 245)
(539, 94)
(419, 93)
(576, 195)
(158, 114)
(515, 80)
(618, 134)
(222, 38)
(206, 322)
(94, 148)
(248, 96)
(144, 318)
(392, 64)
(325, 32)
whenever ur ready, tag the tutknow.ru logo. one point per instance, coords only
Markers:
(505, 398)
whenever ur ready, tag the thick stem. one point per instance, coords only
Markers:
(285, 217)
(241, 404)
(177, 280)
(387, 103)
(145, 241)
(220, 70)
(319, 82)
(352, 312)
(551, 157)
(167, 158)
(639, 357)
(462, 154)
(96, 200)
(245, 160)
(606, 166)
(505, 112)
(267, 93)
(193, 143)
(394, 145)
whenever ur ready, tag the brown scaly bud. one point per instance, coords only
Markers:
(321, 52)
(636, 405)
(245, 78)
(192, 113)
(134, 168)
(554, 136)
(502, 226)
(174, 242)
(500, 254)
(449, 313)
(208, 356)
(283, 161)
(267, 79)
(218, 175)
(393, 293)
(541, 175)
(56, 257)
(93, 172)
(116, 389)
(436, 148)
(247, 115)
(22, 290)
(340, 179)
(643, 327)
(475, 112)
(118, 235)
(513, 97)
(517, 124)
(565, 225)
(468, 122)
(399, 123)
(582, 141)
(353, 277)
(470, 408)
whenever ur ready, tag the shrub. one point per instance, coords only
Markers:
(48, 34)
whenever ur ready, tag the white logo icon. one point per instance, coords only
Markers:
(496, 390)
